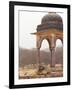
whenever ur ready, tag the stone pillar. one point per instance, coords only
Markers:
(52, 57)
(52, 49)
(38, 57)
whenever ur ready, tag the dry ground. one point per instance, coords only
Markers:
(31, 71)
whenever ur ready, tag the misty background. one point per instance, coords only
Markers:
(29, 56)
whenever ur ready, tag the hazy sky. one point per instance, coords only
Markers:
(28, 22)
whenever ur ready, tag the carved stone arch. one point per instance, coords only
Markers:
(49, 42)
(39, 41)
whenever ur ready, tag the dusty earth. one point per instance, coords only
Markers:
(32, 71)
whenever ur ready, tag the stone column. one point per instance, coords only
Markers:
(38, 57)
(38, 45)
(52, 57)
(52, 49)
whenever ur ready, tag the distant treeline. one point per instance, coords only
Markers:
(29, 56)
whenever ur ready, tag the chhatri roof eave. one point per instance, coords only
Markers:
(52, 31)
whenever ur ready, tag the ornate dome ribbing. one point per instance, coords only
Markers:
(51, 21)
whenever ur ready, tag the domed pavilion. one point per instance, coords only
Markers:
(51, 29)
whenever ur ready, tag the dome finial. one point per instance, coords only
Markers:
(50, 20)
(51, 13)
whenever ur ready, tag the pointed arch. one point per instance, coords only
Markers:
(45, 52)
(45, 44)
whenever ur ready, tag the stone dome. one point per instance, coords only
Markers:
(51, 21)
